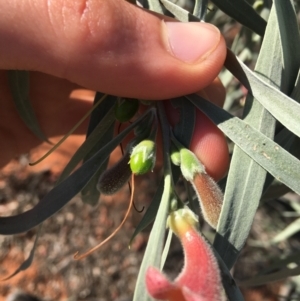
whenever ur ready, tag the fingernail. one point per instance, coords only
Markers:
(192, 41)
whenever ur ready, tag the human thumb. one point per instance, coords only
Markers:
(110, 46)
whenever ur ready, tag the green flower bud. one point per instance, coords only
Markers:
(114, 178)
(175, 156)
(173, 204)
(142, 158)
(190, 164)
(127, 109)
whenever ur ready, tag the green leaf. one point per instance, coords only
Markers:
(19, 86)
(283, 108)
(295, 147)
(233, 65)
(166, 249)
(239, 206)
(200, 9)
(274, 188)
(246, 178)
(278, 162)
(156, 6)
(153, 253)
(179, 13)
(90, 194)
(290, 42)
(100, 110)
(269, 66)
(290, 230)
(28, 261)
(232, 290)
(282, 262)
(226, 76)
(152, 256)
(61, 194)
(296, 91)
(264, 279)
(85, 116)
(184, 129)
(89, 143)
(244, 13)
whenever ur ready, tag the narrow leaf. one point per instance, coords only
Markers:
(296, 91)
(155, 5)
(290, 42)
(286, 140)
(90, 194)
(166, 249)
(184, 130)
(104, 105)
(290, 230)
(200, 9)
(26, 263)
(19, 86)
(86, 115)
(179, 13)
(278, 162)
(232, 290)
(274, 190)
(88, 144)
(232, 64)
(283, 108)
(277, 276)
(152, 256)
(281, 262)
(246, 178)
(244, 13)
(61, 194)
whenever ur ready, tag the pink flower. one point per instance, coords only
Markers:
(200, 278)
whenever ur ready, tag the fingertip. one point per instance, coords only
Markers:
(113, 47)
(210, 146)
(216, 92)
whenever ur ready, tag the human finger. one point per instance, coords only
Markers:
(110, 46)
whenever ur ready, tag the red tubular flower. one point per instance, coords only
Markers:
(200, 278)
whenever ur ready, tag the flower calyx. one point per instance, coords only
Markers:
(143, 156)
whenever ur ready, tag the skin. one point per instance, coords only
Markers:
(104, 46)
